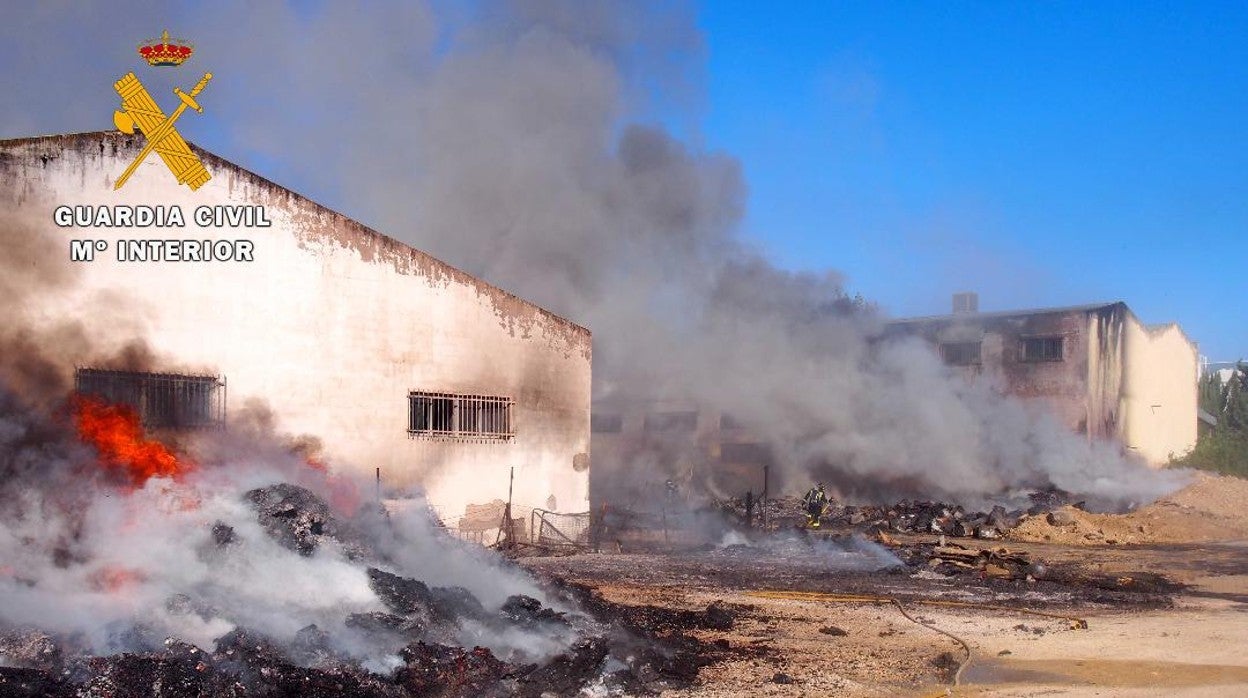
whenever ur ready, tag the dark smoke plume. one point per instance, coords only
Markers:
(531, 142)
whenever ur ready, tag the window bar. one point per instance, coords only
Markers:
(471, 417)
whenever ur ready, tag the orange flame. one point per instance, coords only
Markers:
(115, 578)
(115, 432)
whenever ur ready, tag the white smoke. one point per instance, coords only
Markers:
(522, 141)
(121, 569)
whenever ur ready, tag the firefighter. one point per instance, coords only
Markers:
(815, 500)
(671, 489)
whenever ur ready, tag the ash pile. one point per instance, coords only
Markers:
(418, 639)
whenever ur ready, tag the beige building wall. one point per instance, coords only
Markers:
(1117, 378)
(1159, 399)
(331, 325)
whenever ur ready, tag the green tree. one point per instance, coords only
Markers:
(1235, 401)
(1211, 396)
(1225, 448)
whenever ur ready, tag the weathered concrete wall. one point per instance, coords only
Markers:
(331, 325)
(1061, 386)
(1159, 392)
(1106, 352)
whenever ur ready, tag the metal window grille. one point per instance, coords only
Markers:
(1042, 349)
(961, 353)
(457, 416)
(163, 400)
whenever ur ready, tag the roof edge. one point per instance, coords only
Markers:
(364, 229)
(1087, 307)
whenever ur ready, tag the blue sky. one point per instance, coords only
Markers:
(1039, 153)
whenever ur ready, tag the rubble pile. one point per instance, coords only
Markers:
(948, 558)
(772, 513)
(645, 666)
(928, 517)
(301, 521)
(414, 647)
(906, 516)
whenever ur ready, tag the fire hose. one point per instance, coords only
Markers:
(1076, 623)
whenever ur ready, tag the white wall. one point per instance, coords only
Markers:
(1159, 393)
(332, 324)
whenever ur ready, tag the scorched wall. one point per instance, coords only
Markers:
(331, 325)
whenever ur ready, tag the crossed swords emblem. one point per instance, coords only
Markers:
(138, 108)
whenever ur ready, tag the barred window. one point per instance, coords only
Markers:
(457, 416)
(163, 400)
(1042, 349)
(961, 353)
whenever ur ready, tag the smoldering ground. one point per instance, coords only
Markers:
(69, 523)
(228, 578)
(531, 143)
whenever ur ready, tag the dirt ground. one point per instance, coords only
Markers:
(1162, 618)
(1212, 508)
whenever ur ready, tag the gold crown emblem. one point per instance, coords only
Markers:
(163, 52)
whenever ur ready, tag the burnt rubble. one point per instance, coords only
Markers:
(33, 648)
(243, 664)
(651, 645)
(526, 612)
(411, 647)
(907, 516)
(300, 521)
(716, 616)
(400, 594)
(949, 558)
(440, 670)
(929, 517)
(33, 683)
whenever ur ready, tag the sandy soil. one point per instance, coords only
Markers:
(1212, 508)
(1163, 591)
(1193, 651)
(1137, 643)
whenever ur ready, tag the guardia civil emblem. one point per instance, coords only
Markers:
(139, 112)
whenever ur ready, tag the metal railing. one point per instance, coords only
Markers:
(554, 529)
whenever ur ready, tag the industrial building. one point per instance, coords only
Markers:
(639, 445)
(1097, 367)
(249, 294)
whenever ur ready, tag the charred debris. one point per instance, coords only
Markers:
(929, 545)
(606, 647)
(905, 516)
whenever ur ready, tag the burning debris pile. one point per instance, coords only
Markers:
(128, 571)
